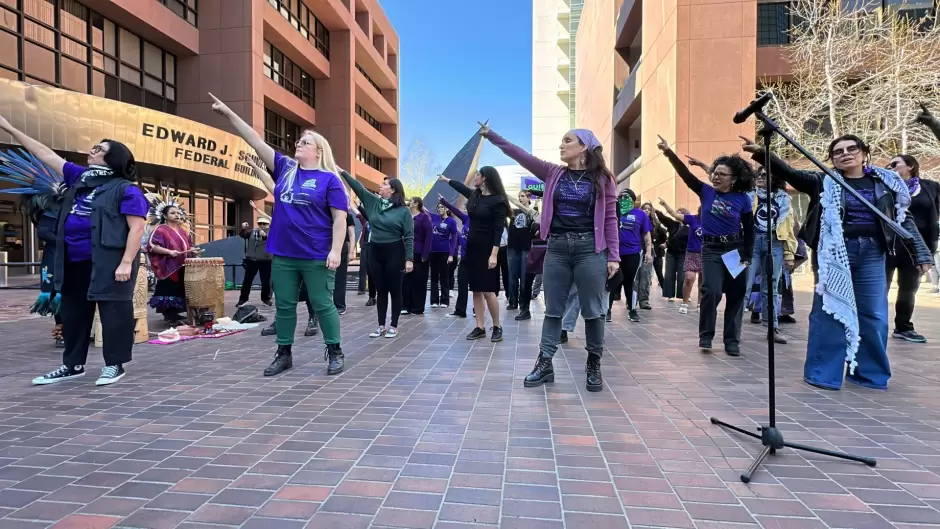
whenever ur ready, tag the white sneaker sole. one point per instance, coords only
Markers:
(43, 381)
(109, 381)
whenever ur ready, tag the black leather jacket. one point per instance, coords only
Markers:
(811, 183)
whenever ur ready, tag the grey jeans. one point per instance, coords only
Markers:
(571, 260)
(572, 309)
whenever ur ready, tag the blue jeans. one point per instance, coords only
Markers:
(572, 309)
(757, 265)
(517, 259)
(825, 353)
(571, 259)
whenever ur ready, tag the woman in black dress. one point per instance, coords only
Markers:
(488, 209)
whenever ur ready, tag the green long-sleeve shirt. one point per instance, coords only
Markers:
(387, 224)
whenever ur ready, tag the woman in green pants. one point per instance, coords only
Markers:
(306, 237)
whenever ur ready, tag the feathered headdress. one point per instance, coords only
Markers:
(160, 202)
(25, 170)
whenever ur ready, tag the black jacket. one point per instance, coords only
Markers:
(109, 231)
(925, 208)
(678, 241)
(811, 183)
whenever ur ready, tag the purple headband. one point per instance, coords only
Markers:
(587, 138)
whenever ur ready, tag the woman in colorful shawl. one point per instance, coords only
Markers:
(849, 319)
(168, 247)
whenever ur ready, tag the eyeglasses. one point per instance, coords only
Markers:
(893, 165)
(852, 149)
(303, 143)
(718, 174)
(96, 149)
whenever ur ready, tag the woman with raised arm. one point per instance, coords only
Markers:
(849, 319)
(463, 271)
(308, 227)
(727, 226)
(98, 236)
(579, 221)
(488, 209)
(692, 261)
(391, 246)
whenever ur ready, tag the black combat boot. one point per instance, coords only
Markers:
(282, 361)
(595, 380)
(334, 354)
(542, 372)
(313, 327)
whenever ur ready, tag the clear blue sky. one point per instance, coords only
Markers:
(463, 61)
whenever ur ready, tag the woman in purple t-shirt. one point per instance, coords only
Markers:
(727, 226)
(308, 229)
(635, 250)
(96, 261)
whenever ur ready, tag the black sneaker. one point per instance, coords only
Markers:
(313, 327)
(512, 306)
(778, 338)
(645, 305)
(732, 349)
(341, 311)
(337, 360)
(60, 343)
(456, 314)
(909, 336)
(270, 330)
(564, 337)
(705, 345)
(283, 360)
(755, 317)
(595, 380)
(476, 334)
(524, 314)
(497, 335)
(608, 317)
(63, 373)
(110, 375)
(634, 316)
(370, 302)
(267, 302)
(542, 372)
(786, 318)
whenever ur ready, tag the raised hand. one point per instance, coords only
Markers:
(663, 145)
(924, 116)
(484, 128)
(698, 163)
(749, 145)
(219, 106)
(444, 179)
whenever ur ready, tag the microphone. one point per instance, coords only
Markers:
(756, 106)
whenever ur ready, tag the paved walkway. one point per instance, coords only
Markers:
(430, 430)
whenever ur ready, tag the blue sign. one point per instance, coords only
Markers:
(530, 183)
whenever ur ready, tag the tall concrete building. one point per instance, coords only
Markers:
(554, 31)
(140, 72)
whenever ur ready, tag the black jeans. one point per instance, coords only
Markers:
(908, 284)
(440, 285)
(452, 272)
(525, 296)
(675, 276)
(502, 261)
(252, 268)
(629, 270)
(365, 278)
(78, 318)
(717, 281)
(387, 266)
(339, 289)
(658, 261)
(463, 287)
(415, 288)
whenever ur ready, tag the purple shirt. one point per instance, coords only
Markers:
(464, 223)
(606, 232)
(424, 234)
(78, 222)
(445, 234)
(695, 233)
(302, 223)
(721, 212)
(633, 225)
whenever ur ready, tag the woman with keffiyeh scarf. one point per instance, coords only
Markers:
(849, 320)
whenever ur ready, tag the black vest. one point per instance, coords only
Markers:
(109, 232)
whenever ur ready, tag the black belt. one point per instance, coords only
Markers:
(721, 239)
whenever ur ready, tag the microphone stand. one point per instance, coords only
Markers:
(770, 437)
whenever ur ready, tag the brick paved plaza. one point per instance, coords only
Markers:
(430, 430)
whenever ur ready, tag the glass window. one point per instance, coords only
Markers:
(284, 72)
(9, 50)
(299, 15)
(74, 49)
(279, 132)
(9, 20)
(368, 117)
(39, 33)
(131, 94)
(39, 62)
(74, 75)
(154, 85)
(73, 20)
(130, 75)
(368, 158)
(169, 65)
(185, 9)
(130, 48)
(41, 10)
(153, 60)
(773, 23)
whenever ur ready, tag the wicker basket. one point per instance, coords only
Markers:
(205, 285)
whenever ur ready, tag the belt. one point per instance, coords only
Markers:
(721, 239)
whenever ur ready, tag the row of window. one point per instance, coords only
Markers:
(368, 117)
(280, 132)
(775, 20)
(63, 43)
(367, 157)
(185, 9)
(373, 83)
(299, 15)
(284, 72)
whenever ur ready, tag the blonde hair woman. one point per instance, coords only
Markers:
(308, 228)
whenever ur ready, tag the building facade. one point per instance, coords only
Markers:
(689, 66)
(554, 34)
(140, 72)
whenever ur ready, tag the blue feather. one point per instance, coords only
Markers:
(23, 169)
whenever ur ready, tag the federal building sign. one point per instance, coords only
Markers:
(70, 121)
